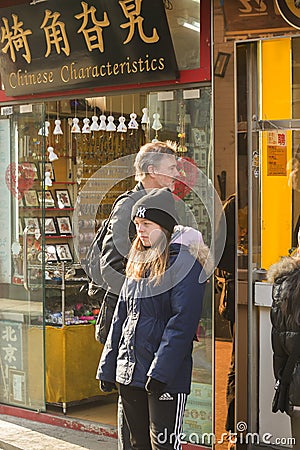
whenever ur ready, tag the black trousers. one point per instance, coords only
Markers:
(123, 430)
(154, 421)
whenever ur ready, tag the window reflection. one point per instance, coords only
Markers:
(184, 23)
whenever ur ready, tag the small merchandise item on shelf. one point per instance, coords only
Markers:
(56, 276)
(48, 181)
(80, 314)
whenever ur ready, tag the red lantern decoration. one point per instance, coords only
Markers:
(188, 172)
(19, 178)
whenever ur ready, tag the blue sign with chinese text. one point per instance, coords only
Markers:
(55, 45)
(11, 354)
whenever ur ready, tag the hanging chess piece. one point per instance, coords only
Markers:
(86, 125)
(95, 125)
(156, 126)
(44, 130)
(52, 155)
(75, 127)
(122, 127)
(102, 125)
(156, 122)
(48, 181)
(57, 130)
(145, 117)
(145, 122)
(133, 125)
(111, 126)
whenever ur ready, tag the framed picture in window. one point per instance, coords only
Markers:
(33, 224)
(63, 198)
(48, 167)
(50, 253)
(49, 200)
(31, 199)
(64, 225)
(221, 64)
(32, 170)
(17, 386)
(20, 226)
(50, 227)
(199, 137)
(63, 252)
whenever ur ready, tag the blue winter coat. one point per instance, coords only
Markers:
(153, 327)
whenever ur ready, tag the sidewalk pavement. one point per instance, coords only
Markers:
(22, 434)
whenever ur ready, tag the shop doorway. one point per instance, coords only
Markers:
(267, 133)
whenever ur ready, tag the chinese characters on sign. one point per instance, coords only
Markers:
(94, 33)
(277, 138)
(10, 353)
(277, 153)
(15, 39)
(55, 33)
(248, 17)
(132, 11)
(35, 43)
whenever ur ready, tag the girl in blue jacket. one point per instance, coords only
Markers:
(149, 346)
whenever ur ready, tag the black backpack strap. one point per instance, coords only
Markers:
(101, 232)
(124, 195)
(103, 228)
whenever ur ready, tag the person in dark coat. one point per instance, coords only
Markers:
(285, 318)
(226, 272)
(149, 347)
(155, 167)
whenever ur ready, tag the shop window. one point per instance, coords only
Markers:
(72, 153)
(184, 23)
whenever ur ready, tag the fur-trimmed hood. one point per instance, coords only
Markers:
(193, 239)
(286, 265)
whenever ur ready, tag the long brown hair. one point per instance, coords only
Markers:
(150, 262)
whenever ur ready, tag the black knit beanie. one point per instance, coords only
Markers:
(159, 207)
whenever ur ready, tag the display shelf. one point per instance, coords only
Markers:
(63, 182)
(60, 236)
(28, 208)
(59, 209)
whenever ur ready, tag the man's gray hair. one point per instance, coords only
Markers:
(151, 154)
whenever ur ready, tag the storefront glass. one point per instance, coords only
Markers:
(184, 23)
(21, 257)
(268, 128)
(293, 164)
(83, 141)
(268, 220)
(181, 115)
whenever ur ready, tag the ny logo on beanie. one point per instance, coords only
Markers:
(141, 212)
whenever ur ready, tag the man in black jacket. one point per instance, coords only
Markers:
(155, 167)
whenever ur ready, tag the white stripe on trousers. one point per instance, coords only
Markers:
(181, 400)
